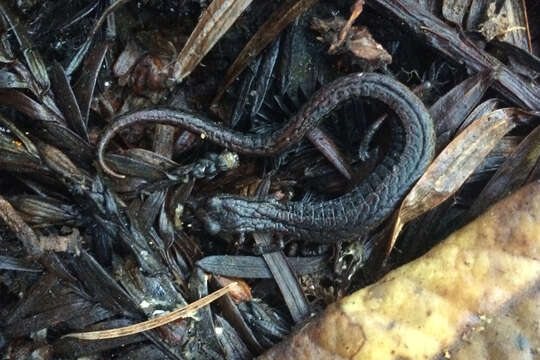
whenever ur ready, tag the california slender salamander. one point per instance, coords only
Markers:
(360, 210)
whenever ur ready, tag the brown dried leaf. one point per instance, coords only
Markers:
(357, 41)
(215, 22)
(422, 309)
(455, 163)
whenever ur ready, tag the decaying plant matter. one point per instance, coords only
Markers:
(155, 155)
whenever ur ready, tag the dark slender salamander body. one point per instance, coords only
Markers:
(347, 216)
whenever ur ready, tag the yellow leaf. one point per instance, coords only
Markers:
(419, 311)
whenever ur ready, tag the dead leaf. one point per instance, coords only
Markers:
(455, 163)
(33, 58)
(358, 42)
(419, 311)
(214, 22)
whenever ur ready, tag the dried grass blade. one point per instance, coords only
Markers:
(155, 322)
(109, 10)
(215, 22)
(281, 270)
(455, 163)
(484, 108)
(40, 210)
(263, 81)
(526, 17)
(21, 162)
(266, 33)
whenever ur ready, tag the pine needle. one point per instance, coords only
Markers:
(155, 322)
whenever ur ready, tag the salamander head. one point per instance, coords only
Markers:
(224, 214)
(234, 214)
